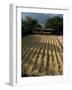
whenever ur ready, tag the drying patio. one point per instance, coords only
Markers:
(42, 55)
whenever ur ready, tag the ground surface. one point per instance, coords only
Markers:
(42, 55)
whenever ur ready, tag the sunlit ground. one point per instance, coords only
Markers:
(42, 55)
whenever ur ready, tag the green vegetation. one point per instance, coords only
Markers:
(30, 25)
(55, 23)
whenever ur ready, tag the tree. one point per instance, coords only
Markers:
(28, 24)
(55, 23)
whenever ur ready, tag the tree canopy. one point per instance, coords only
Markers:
(28, 24)
(55, 23)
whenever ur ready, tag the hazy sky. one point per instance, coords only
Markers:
(41, 17)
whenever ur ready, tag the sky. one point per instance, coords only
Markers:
(41, 17)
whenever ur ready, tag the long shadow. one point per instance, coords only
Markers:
(49, 45)
(58, 49)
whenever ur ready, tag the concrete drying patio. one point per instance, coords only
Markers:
(42, 55)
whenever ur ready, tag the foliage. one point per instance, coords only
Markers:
(55, 23)
(28, 25)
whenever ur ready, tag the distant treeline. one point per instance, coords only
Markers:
(30, 24)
